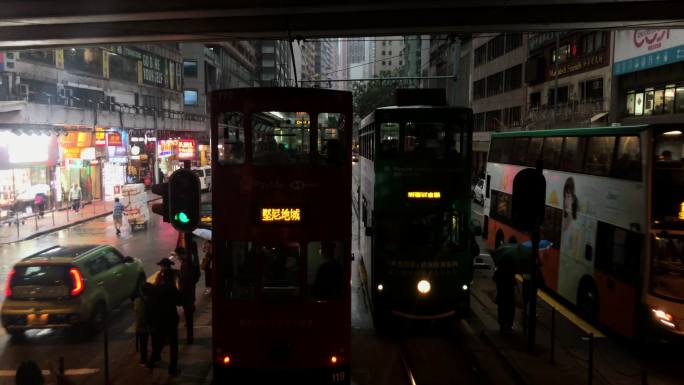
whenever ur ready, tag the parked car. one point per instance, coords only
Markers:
(479, 191)
(68, 286)
(204, 175)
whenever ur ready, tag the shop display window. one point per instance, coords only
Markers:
(649, 97)
(669, 99)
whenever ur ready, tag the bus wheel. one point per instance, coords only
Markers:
(499, 240)
(587, 300)
(513, 239)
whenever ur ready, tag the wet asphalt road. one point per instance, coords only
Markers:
(83, 353)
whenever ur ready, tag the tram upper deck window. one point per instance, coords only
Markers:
(389, 140)
(668, 178)
(331, 144)
(280, 138)
(231, 138)
(429, 138)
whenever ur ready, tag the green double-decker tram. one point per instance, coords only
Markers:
(416, 250)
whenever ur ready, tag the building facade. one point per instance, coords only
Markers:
(274, 63)
(389, 55)
(93, 117)
(648, 86)
(498, 92)
(574, 68)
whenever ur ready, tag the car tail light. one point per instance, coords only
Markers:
(77, 284)
(8, 287)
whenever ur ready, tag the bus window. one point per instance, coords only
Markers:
(331, 138)
(551, 153)
(325, 272)
(573, 154)
(501, 206)
(534, 151)
(239, 272)
(231, 138)
(628, 159)
(495, 149)
(389, 139)
(280, 138)
(519, 150)
(667, 270)
(280, 272)
(599, 156)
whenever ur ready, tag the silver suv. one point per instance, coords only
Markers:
(67, 286)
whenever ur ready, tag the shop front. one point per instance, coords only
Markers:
(141, 156)
(27, 164)
(74, 170)
(115, 164)
(172, 152)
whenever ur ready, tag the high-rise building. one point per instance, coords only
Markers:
(274, 63)
(389, 55)
(499, 93)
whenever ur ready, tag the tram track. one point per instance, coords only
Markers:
(441, 357)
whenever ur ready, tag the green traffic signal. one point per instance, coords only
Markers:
(181, 217)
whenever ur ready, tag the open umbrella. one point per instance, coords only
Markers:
(517, 255)
(202, 233)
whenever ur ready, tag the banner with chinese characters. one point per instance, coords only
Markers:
(280, 215)
(186, 149)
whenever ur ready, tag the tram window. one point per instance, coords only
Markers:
(618, 251)
(331, 136)
(551, 152)
(573, 154)
(280, 268)
(430, 139)
(599, 155)
(325, 271)
(231, 138)
(280, 138)
(389, 139)
(239, 271)
(628, 159)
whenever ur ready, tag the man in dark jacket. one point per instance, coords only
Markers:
(163, 315)
(189, 275)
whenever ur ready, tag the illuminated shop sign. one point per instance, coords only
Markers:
(424, 194)
(280, 215)
(100, 138)
(186, 149)
(88, 153)
(114, 139)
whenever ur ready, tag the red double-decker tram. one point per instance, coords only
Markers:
(281, 235)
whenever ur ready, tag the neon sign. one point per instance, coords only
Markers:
(424, 195)
(280, 215)
(186, 149)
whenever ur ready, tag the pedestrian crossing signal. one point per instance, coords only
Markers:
(184, 200)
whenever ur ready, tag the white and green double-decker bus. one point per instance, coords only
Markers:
(615, 215)
(414, 199)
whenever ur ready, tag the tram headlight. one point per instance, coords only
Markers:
(464, 287)
(424, 286)
(381, 287)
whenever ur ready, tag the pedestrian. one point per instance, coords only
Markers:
(504, 277)
(75, 195)
(207, 264)
(141, 302)
(189, 275)
(166, 299)
(39, 202)
(29, 373)
(117, 214)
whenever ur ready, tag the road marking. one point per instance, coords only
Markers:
(567, 313)
(68, 372)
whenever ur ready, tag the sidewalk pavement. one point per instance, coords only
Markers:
(612, 364)
(31, 226)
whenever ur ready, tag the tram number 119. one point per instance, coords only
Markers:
(338, 377)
